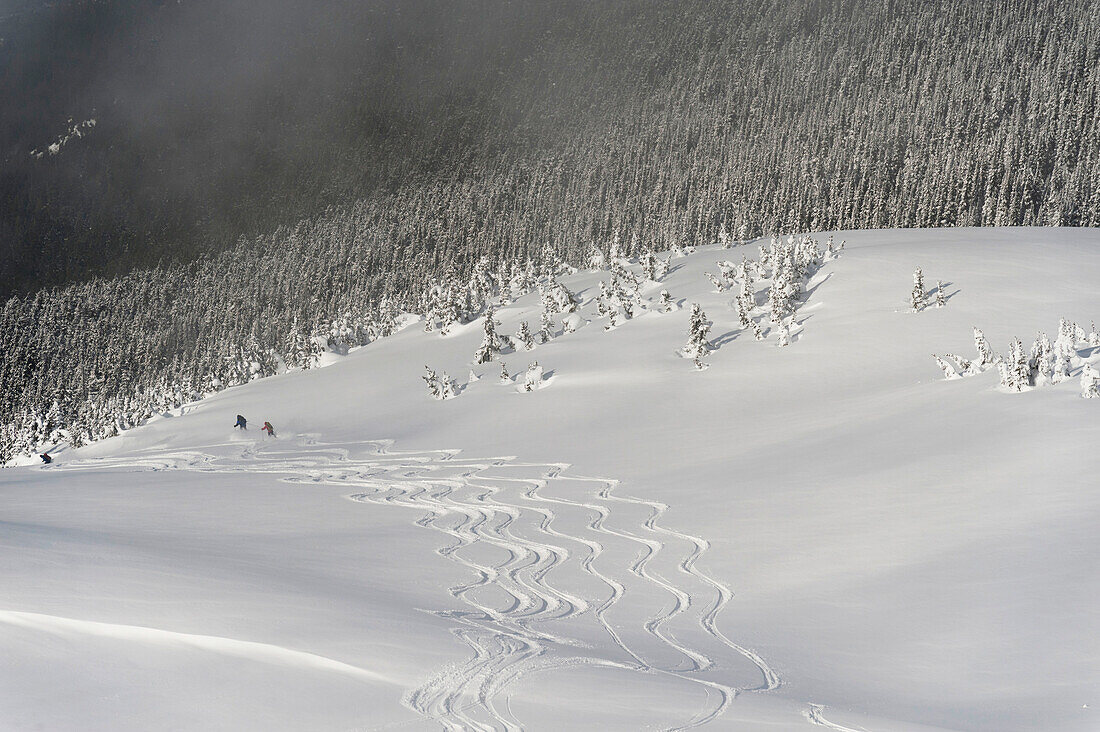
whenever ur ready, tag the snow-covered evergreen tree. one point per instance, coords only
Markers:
(532, 379)
(1013, 368)
(505, 377)
(1041, 360)
(546, 326)
(783, 333)
(723, 236)
(697, 346)
(596, 259)
(447, 387)
(941, 298)
(917, 294)
(650, 266)
(665, 304)
(985, 352)
(718, 284)
(432, 380)
(524, 337)
(1089, 388)
(490, 342)
(948, 370)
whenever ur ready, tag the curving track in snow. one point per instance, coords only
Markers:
(560, 570)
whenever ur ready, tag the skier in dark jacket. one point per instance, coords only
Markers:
(268, 429)
(241, 422)
(46, 458)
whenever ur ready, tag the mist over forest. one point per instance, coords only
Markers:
(221, 119)
(264, 172)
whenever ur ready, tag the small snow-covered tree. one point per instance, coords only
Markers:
(917, 295)
(1093, 337)
(985, 352)
(743, 318)
(524, 336)
(650, 266)
(966, 366)
(718, 284)
(1014, 367)
(1041, 361)
(666, 305)
(723, 236)
(447, 387)
(505, 377)
(546, 326)
(697, 346)
(783, 334)
(490, 342)
(432, 380)
(1089, 376)
(948, 370)
(603, 300)
(596, 259)
(532, 379)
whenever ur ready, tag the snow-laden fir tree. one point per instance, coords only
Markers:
(948, 370)
(524, 337)
(448, 308)
(1093, 337)
(783, 333)
(562, 297)
(985, 352)
(546, 325)
(1089, 376)
(665, 303)
(603, 300)
(1013, 368)
(778, 304)
(505, 377)
(1064, 351)
(663, 265)
(965, 365)
(723, 236)
(941, 299)
(447, 387)
(596, 259)
(1041, 360)
(729, 272)
(743, 318)
(917, 294)
(490, 342)
(532, 379)
(718, 284)
(432, 380)
(697, 346)
(650, 265)
(386, 323)
(615, 250)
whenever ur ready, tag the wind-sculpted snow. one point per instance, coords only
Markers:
(558, 571)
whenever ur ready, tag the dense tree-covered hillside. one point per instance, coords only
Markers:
(255, 173)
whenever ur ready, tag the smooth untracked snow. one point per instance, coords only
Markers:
(827, 533)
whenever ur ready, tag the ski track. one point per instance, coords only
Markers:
(541, 524)
(813, 714)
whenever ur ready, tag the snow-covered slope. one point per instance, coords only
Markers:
(828, 533)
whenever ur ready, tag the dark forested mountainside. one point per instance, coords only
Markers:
(410, 139)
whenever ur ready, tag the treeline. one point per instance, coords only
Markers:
(657, 122)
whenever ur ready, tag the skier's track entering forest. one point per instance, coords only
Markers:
(558, 565)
